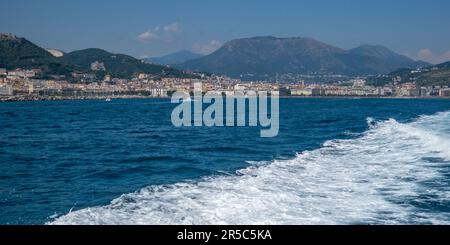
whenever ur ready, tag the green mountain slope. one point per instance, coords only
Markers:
(18, 52)
(118, 65)
(437, 75)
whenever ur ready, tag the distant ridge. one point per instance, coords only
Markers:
(267, 56)
(174, 58)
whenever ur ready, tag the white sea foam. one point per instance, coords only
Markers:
(366, 180)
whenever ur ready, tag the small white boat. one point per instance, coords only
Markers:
(108, 100)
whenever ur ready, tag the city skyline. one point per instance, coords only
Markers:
(153, 29)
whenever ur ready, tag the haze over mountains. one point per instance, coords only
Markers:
(267, 56)
(174, 58)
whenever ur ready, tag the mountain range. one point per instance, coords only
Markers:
(269, 56)
(247, 58)
(174, 58)
(18, 52)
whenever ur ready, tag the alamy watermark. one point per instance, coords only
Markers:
(216, 109)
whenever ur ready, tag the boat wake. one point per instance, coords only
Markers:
(394, 173)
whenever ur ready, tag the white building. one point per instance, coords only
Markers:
(6, 90)
(143, 76)
(358, 83)
(158, 92)
(98, 66)
(21, 73)
(301, 92)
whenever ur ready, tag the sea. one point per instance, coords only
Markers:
(335, 161)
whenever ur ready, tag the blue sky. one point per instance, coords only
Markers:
(417, 28)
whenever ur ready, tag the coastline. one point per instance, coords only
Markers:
(66, 98)
(361, 97)
(22, 98)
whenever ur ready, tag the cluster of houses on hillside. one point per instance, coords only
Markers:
(22, 82)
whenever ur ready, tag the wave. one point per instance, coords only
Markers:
(394, 173)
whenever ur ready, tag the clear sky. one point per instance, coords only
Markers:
(417, 28)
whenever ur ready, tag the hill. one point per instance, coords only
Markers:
(118, 65)
(436, 75)
(18, 52)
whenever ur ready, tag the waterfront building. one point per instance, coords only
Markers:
(6, 90)
(301, 92)
(283, 91)
(159, 92)
(444, 92)
(385, 91)
(317, 92)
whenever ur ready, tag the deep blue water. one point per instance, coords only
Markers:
(61, 156)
